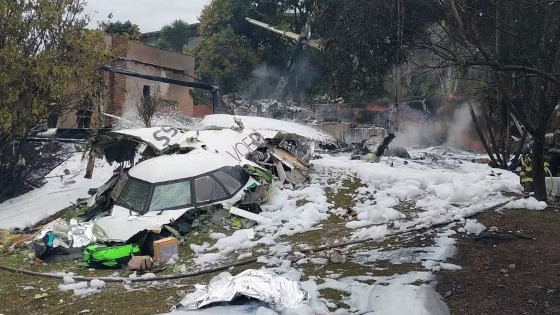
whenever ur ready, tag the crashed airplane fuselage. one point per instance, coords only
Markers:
(174, 189)
(181, 172)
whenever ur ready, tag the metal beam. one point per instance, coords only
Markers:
(260, 24)
(195, 85)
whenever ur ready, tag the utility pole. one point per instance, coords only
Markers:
(394, 107)
(393, 111)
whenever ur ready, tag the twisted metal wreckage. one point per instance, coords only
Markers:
(173, 178)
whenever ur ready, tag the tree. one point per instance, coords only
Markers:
(518, 42)
(227, 60)
(222, 14)
(256, 46)
(125, 29)
(47, 59)
(148, 107)
(175, 36)
(364, 40)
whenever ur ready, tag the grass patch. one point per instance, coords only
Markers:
(331, 229)
(113, 298)
(335, 296)
(346, 269)
(344, 197)
(145, 298)
(385, 268)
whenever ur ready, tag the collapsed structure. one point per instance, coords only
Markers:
(170, 179)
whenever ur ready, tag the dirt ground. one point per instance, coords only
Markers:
(515, 270)
(512, 269)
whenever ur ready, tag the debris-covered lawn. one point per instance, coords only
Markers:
(343, 201)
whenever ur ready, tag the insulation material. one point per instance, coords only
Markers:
(278, 291)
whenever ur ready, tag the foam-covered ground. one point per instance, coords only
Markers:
(65, 184)
(438, 185)
(344, 200)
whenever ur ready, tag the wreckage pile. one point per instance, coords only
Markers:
(196, 194)
(271, 108)
(173, 183)
(169, 181)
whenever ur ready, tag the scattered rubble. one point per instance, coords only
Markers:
(235, 189)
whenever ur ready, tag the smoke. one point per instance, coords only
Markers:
(262, 83)
(265, 81)
(459, 131)
(421, 134)
(451, 126)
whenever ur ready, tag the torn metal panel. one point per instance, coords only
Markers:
(300, 147)
(279, 292)
(295, 170)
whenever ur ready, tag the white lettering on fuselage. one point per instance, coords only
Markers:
(246, 146)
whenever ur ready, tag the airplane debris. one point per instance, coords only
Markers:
(278, 291)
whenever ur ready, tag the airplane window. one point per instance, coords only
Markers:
(171, 195)
(231, 184)
(238, 173)
(134, 195)
(207, 189)
(117, 190)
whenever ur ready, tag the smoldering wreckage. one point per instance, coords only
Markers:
(172, 183)
(170, 179)
(169, 182)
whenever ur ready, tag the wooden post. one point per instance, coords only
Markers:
(95, 125)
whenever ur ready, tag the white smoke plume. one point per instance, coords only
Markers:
(454, 130)
(458, 132)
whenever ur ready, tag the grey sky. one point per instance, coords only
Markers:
(150, 15)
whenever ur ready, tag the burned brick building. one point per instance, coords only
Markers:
(122, 93)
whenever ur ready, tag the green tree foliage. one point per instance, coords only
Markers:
(222, 14)
(175, 36)
(254, 46)
(228, 60)
(362, 43)
(360, 38)
(126, 29)
(45, 54)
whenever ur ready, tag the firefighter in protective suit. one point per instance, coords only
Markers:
(526, 173)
